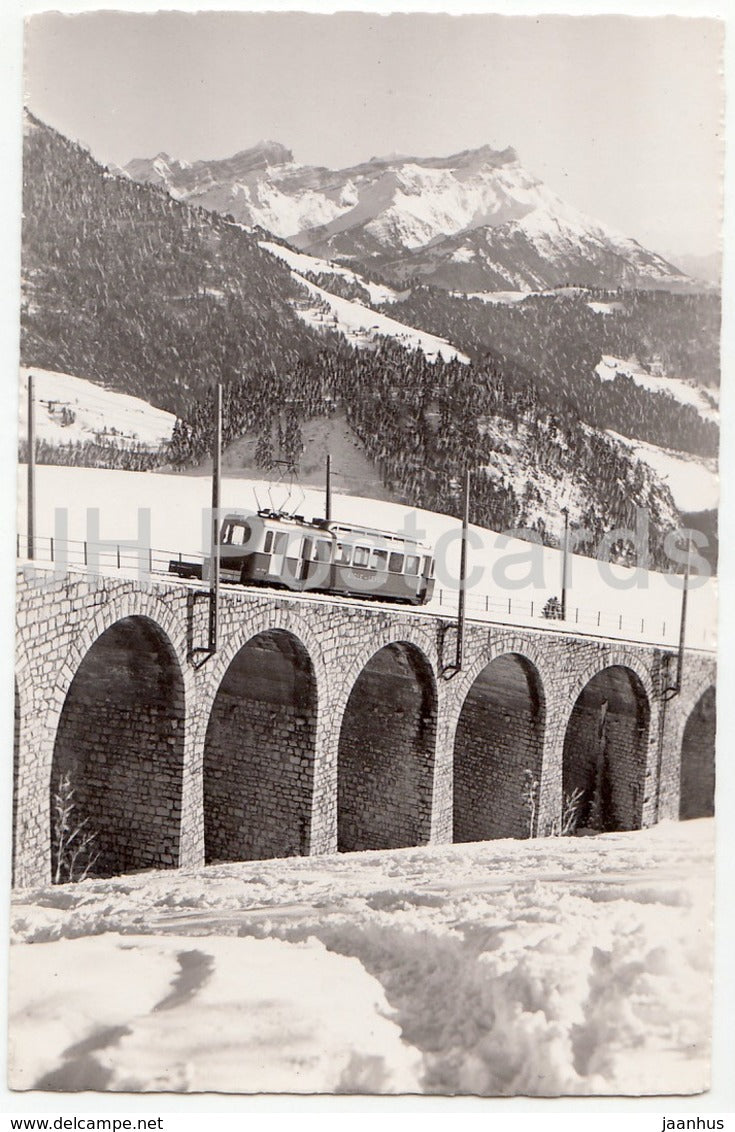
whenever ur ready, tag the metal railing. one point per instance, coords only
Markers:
(585, 619)
(131, 558)
(65, 553)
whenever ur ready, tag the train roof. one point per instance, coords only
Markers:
(332, 526)
(354, 529)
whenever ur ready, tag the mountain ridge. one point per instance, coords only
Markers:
(473, 220)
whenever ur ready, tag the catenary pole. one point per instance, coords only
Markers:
(564, 564)
(328, 503)
(463, 573)
(216, 479)
(31, 493)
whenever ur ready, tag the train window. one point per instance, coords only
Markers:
(412, 563)
(380, 560)
(427, 567)
(343, 554)
(395, 563)
(306, 549)
(322, 551)
(361, 556)
(280, 543)
(236, 534)
(268, 542)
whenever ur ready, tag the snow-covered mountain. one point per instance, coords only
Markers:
(476, 220)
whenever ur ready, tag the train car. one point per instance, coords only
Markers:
(274, 549)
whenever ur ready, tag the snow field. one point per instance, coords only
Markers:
(687, 393)
(693, 481)
(301, 262)
(555, 966)
(364, 326)
(96, 412)
(146, 1013)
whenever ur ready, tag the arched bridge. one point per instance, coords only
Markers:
(322, 725)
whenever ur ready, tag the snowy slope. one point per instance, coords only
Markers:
(547, 248)
(544, 490)
(360, 324)
(303, 263)
(693, 482)
(546, 967)
(685, 392)
(71, 409)
(232, 1000)
(605, 308)
(363, 326)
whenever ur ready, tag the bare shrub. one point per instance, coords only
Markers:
(530, 798)
(74, 850)
(564, 826)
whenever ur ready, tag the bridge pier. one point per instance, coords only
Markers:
(322, 725)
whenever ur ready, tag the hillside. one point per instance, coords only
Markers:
(421, 423)
(148, 296)
(557, 341)
(353, 473)
(82, 424)
(141, 293)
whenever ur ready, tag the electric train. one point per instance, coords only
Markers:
(275, 549)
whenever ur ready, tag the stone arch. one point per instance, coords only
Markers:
(119, 745)
(498, 751)
(608, 656)
(697, 766)
(259, 752)
(387, 742)
(498, 643)
(129, 603)
(605, 749)
(381, 635)
(248, 621)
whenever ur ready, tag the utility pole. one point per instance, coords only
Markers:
(463, 573)
(564, 564)
(328, 503)
(31, 492)
(683, 618)
(216, 477)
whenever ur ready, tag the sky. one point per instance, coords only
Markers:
(622, 116)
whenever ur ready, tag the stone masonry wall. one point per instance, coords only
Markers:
(605, 752)
(16, 769)
(258, 777)
(125, 767)
(499, 746)
(697, 782)
(120, 742)
(385, 757)
(259, 754)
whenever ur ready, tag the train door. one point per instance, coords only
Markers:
(306, 550)
(413, 581)
(278, 554)
(426, 586)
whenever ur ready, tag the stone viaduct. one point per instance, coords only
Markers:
(322, 725)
